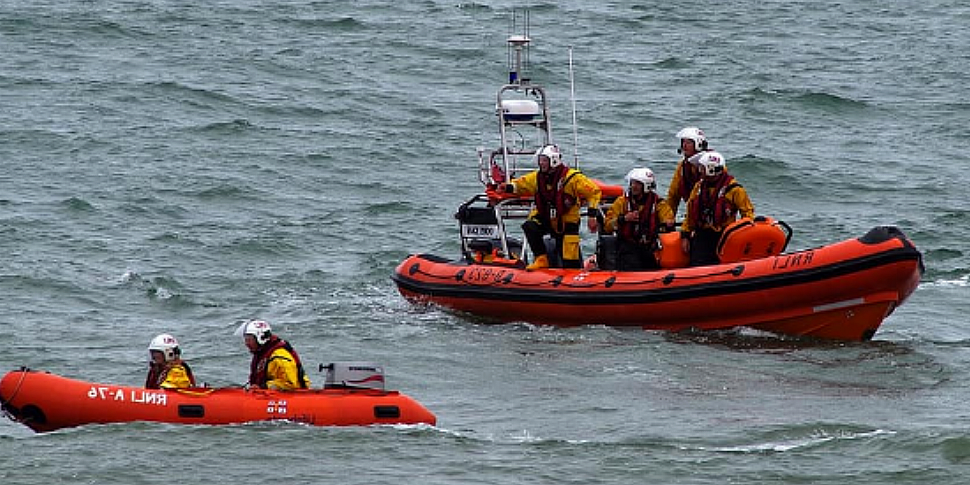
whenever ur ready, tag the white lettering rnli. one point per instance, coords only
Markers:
(146, 397)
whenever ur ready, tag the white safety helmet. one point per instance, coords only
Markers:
(551, 151)
(711, 163)
(694, 134)
(644, 176)
(167, 345)
(258, 329)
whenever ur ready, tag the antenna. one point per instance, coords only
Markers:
(572, 96)
(518, 45)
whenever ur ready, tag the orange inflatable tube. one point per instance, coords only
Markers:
(46, 402)
(841, 291)
(608, 192)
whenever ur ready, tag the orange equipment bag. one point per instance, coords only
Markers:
(671, 255)
(748, 239)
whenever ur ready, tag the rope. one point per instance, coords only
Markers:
(557, 282)
(189, 392)
(23, 375)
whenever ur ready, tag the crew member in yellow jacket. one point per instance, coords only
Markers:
(559, 192)
(715, 202)
(693, 142)
(166, 369)
(275, 364)
(638, 216)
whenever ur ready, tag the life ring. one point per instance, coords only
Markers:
(748, 239)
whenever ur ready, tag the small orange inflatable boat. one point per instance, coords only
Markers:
(46, 402)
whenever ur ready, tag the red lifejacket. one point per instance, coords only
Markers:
(158, 373)
(647, 226)
(552, 202)
(257, 368)
(689, 176)
(711, 208)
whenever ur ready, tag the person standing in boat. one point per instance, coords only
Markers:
(166, 369)
(715, 203)
(687, 174)
(275, 364)
(559, 192)
(638, 216)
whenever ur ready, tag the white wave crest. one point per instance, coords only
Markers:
(962, 282)
(815, 439)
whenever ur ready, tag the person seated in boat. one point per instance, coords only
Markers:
(559, 192)
(638, 216)
(275, 364)
(715, 202)
(693, 141)
(166, 369)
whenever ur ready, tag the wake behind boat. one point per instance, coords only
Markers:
(353, 396)
(839, 291)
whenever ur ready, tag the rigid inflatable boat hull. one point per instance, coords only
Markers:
(841, 291)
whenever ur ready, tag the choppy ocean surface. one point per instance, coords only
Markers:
(173, 166)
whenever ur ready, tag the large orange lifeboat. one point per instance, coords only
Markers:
(840, 291)
(46, 402)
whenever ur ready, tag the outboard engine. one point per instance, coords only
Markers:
(353, 375)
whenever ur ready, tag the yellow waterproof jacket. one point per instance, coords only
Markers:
(737, 196)
(281, 371)
(619, 209)
(176, 378)
(174, 374)
(674, 195)
(577, 186)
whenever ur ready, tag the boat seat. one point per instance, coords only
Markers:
(481, 245)
(476, 215)
(480, 233)
(479, 226)
(552, 251)
(606, 252)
